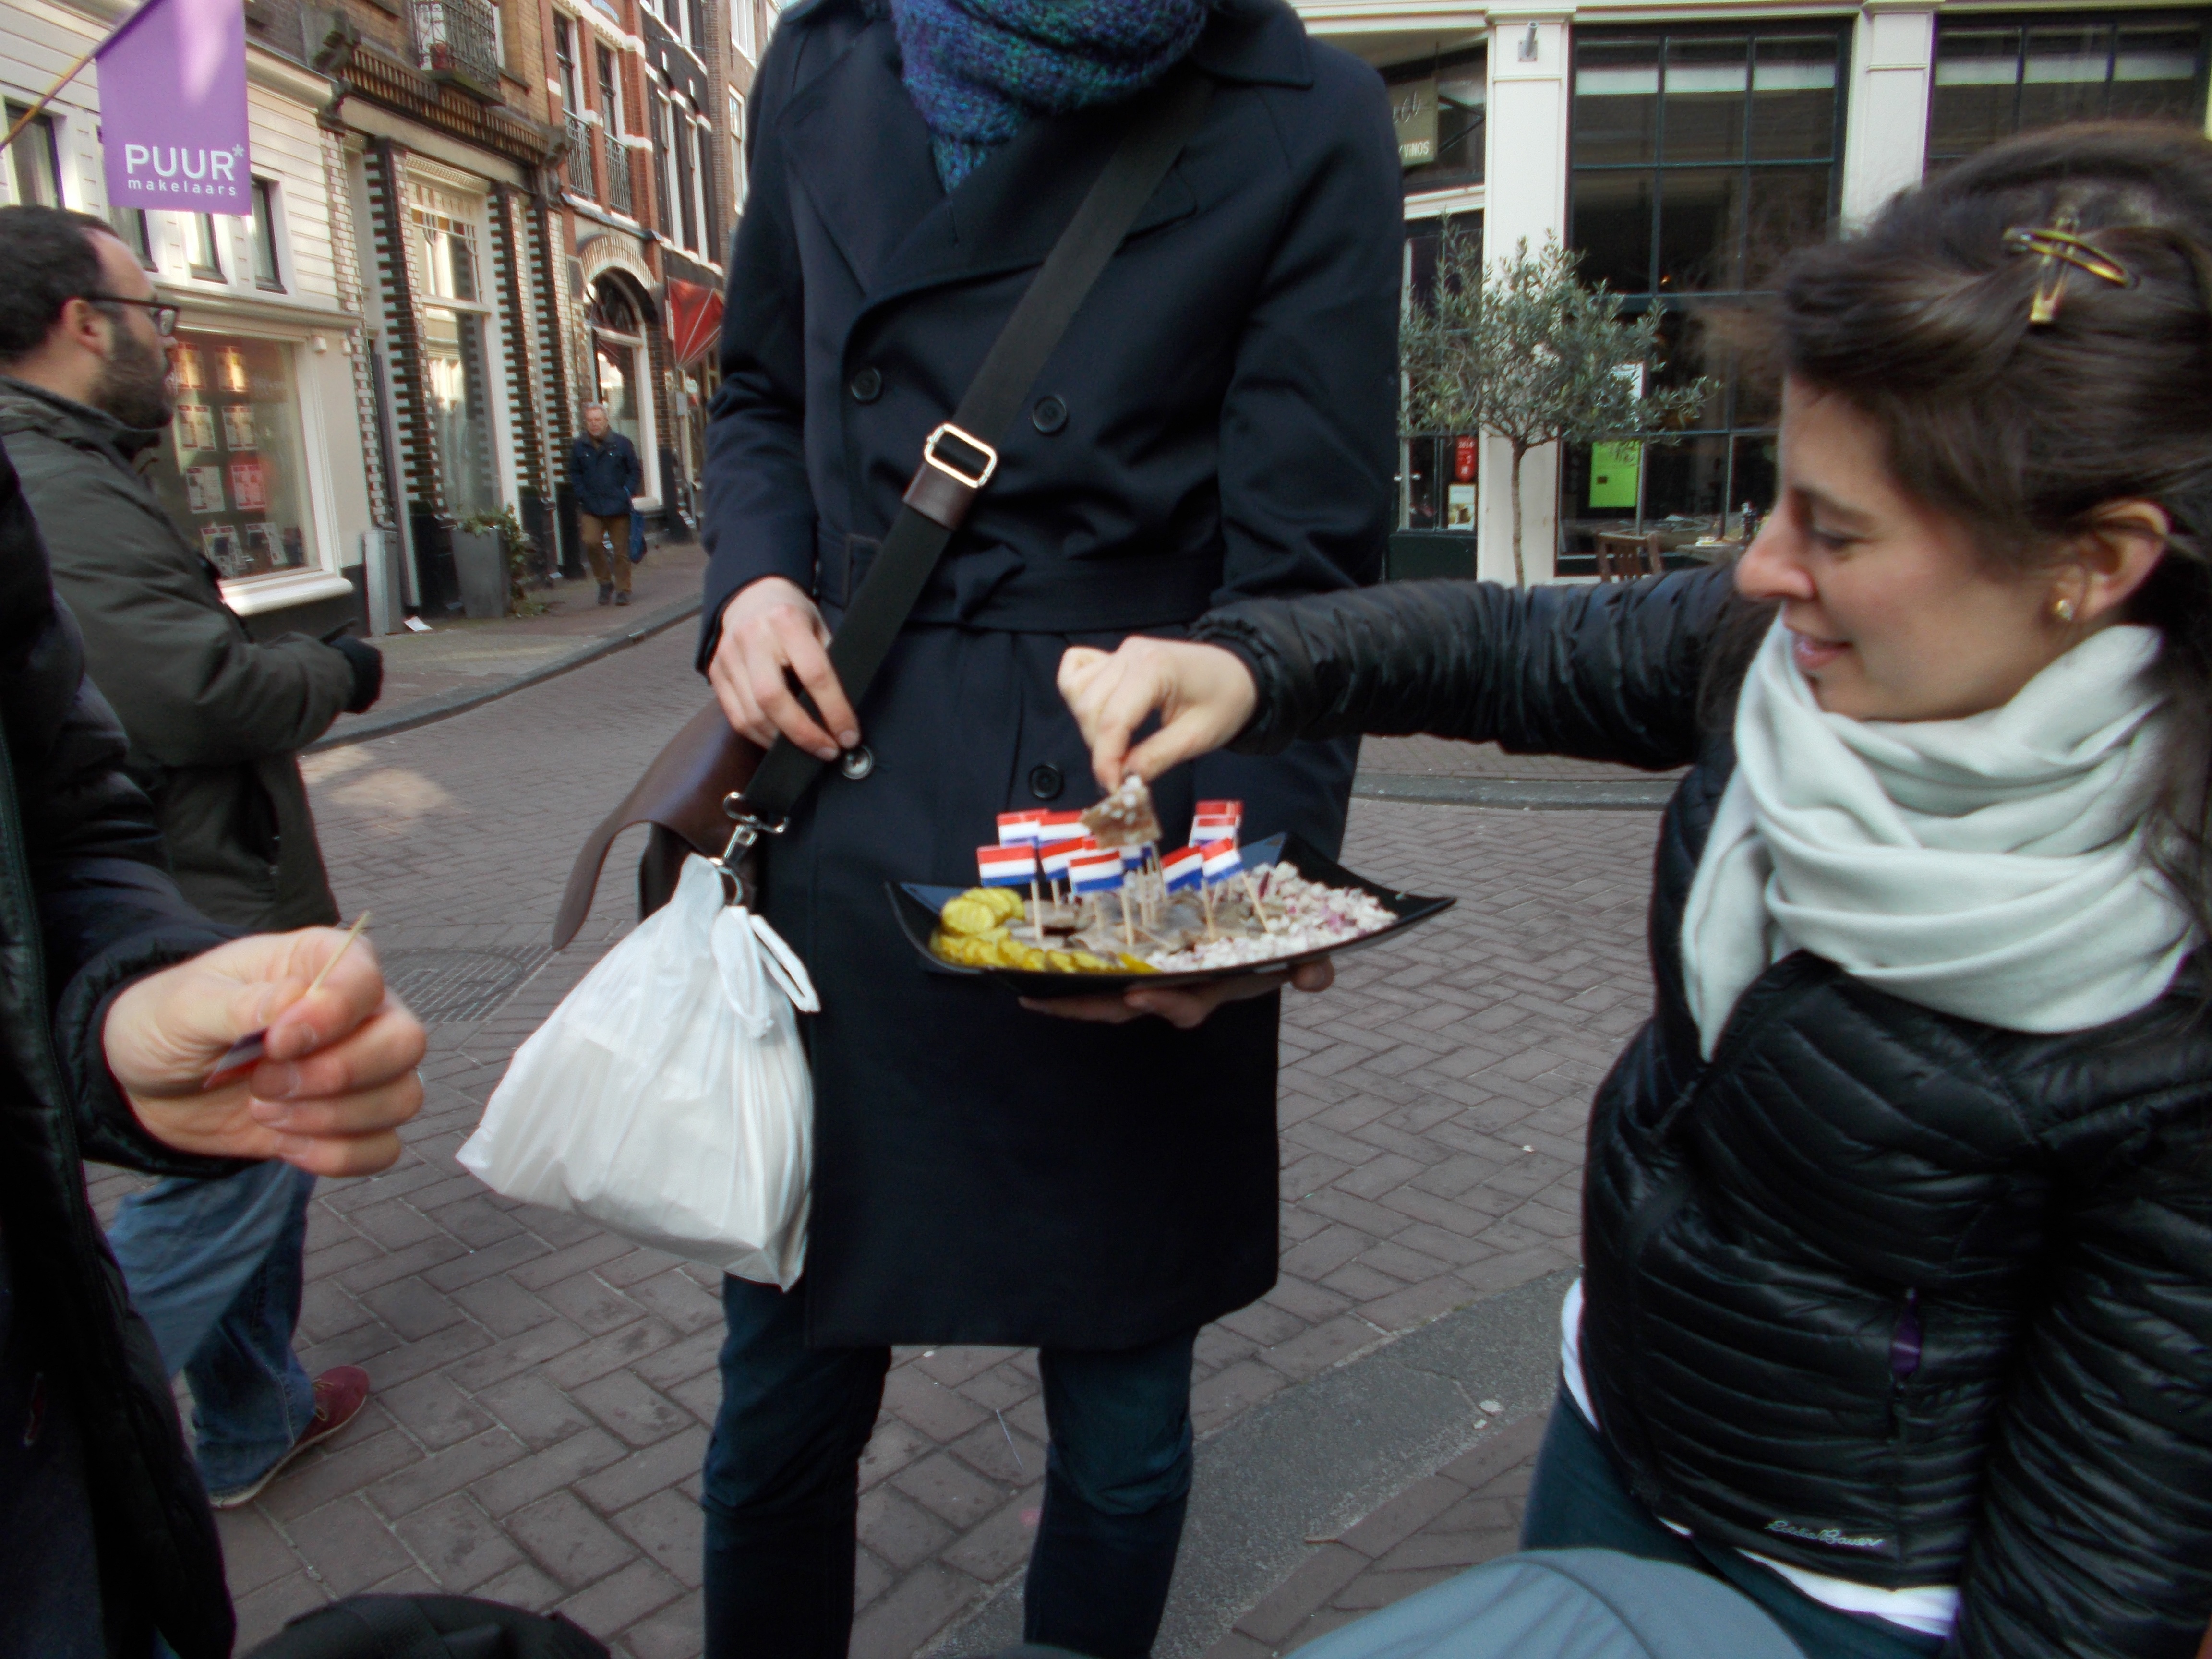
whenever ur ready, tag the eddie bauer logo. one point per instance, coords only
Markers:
(1833, 1537)
(180, 172)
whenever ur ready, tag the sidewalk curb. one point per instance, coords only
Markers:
(431, 709)
(1549, 794)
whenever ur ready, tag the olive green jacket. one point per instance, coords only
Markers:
(215, 718)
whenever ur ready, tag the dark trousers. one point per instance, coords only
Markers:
(1581, 1500)
(782, 1488)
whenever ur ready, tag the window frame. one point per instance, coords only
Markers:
(264, 192)
(2021, 22)
(200, 233)
(42, 122)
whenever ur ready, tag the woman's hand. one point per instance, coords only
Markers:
(1184, 1010)
(338, 1079)
(1204, 696)
(772, 634)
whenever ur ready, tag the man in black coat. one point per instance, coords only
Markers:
(1217, 423)
(604, 471)
(104, 1048)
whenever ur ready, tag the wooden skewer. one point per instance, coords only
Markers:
(352, 933)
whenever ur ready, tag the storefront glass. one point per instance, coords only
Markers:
(229, 466)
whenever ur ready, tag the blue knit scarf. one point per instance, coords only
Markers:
(978, 69)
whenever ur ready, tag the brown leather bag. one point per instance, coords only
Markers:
(684, 796)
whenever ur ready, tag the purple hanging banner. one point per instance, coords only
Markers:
(172, 108)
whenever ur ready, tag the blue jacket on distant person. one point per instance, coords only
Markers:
(605, 474)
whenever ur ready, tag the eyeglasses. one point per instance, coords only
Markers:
(164, 314)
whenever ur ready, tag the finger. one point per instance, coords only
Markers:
(1185, 737)
(803, 646)
(361, 1154)
(1314, 976)
(389, 1046)
(352, 991)
(1107, 1011)
(359, 1112)
(727, 679)
(766, 664)
(1079, 665)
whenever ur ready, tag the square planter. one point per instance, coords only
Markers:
(480, 562)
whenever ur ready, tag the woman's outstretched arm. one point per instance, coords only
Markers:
(1604, 673)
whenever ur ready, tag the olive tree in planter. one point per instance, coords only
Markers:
(1526, 350)
(516, 545)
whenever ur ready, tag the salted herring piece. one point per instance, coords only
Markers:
(1124, 818)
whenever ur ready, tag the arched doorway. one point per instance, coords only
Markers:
(622, 367)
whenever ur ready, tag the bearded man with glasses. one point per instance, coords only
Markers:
(216, 720)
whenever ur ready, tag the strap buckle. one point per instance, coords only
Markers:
(948, 430)
(750, 828)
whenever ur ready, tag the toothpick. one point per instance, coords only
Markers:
(1253, 893)
(352, 933)
(1037, 913)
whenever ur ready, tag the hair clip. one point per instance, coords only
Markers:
(2058, 246)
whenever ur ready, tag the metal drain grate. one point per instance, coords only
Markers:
(445, 985)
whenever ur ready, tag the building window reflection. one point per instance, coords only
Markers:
(1699, 159)
(1442, 105)
(1996, 77)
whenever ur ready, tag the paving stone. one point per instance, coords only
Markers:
(622, 1597)
(669, 1527)
(569, 1541)
(458, 1544)
(632, 1410)
(348, 1545)
(950, 1490)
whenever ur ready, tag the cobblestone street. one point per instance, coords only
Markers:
(544, 1390)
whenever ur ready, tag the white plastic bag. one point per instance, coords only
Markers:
(668, 1098)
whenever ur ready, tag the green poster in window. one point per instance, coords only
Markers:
(1613, 470)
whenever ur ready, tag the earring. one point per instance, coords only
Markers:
(2062, 608)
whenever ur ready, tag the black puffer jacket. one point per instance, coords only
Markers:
(86, 905)
(1765, 1235)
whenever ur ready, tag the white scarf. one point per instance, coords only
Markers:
(1991, 868)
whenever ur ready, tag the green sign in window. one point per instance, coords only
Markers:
(1613, 471)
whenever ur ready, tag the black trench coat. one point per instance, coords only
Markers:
(1217, 424)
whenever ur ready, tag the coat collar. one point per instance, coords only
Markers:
(861, 152)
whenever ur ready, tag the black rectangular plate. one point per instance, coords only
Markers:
(917, 906)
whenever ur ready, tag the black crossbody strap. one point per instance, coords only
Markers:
(958, 458)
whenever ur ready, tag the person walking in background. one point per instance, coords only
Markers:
(1897, 1305)
(604, 471)
(215, 720)
(105, 1535)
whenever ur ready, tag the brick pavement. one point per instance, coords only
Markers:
(542, 1390)
(1444, 757)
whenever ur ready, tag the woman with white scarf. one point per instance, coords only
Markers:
(1897, 1304)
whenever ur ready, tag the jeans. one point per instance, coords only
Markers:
(214, 1270)
(1580, 1500)
(782, 1488)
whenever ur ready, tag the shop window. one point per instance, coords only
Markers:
(137, 234)
(1695, 494)
(459, 392)
(1437, 471)
(1700, 158)
(203, 247)
(228, 467)
(34, 159)
(1996, 77)
(1442, 105)
(267, 274)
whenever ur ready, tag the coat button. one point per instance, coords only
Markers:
(867, 385)
(1049, 415)
(1045, 782)
(857, 763)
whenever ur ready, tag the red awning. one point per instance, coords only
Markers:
(695, 320)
